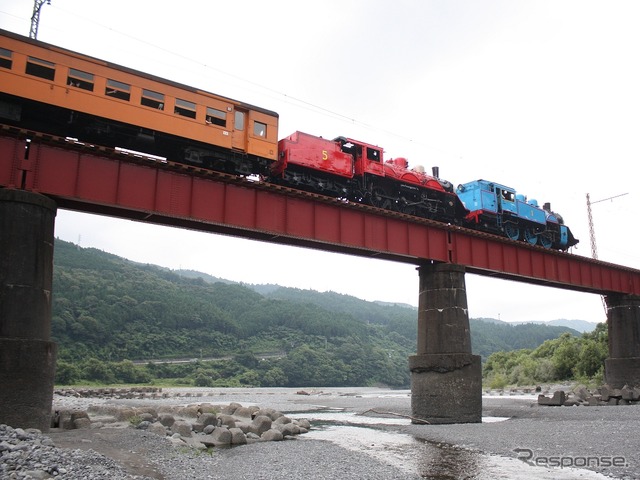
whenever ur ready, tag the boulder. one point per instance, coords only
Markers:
(147, 417)
(303, 423)
(245, 427)
(628, 393)
(181, 427)
(607, 392)
(166, 419)
(594, 400)
(228, 420)
(287, 429)
(230, 409)
(188, 411)
(557, 400)
(83, 422)
(582, 393)
(261, 424)
(158, 428)
(125, 414)
(143, 425)
(66, 419)
(245, 412)
(219, 437)
(267, 412)
(272, 435)
(237, 436)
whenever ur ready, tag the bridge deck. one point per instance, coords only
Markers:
(100, 180)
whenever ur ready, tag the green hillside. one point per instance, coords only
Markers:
(109, 312)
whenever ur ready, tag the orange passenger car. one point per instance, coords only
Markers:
(107, 104)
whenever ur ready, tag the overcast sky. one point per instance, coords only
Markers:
(542, 96)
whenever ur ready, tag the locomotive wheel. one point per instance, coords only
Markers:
(511, 231)
(546, 240)
(379, 198)
(530, 237)
(409, 210)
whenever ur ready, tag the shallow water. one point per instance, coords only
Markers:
(430, 460)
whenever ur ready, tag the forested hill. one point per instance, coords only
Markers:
(110, 308)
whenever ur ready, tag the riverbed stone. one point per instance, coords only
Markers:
(261, 424)
(245, 412)
(272, 435)
(237, 436)
(181, 427)
(166, 419)
(221, 436)
(303, 423)
(208, 429)
(208, 419)
(230, 409)
(158, 428)
(557, 400)
(228, 420)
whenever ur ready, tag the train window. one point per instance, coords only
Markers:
(118, 90)
(152, 99)
(80, 79)
(373, 154)
(5, 58)
(217, 117)
(40, 68)
(239, 120)
(185, 108)
(507, 195)
(259, 129)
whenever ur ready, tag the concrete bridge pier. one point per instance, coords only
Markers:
(446, 379)
(623, 323)
(27, 356)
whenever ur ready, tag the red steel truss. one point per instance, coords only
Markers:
(96, 180)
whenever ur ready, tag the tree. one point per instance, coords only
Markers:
(565, 356)
(95, 370)
(66, 373)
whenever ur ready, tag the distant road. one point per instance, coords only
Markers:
(260, 356)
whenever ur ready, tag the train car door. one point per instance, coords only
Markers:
(239, 132)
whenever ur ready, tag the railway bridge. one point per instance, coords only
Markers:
(40, 173)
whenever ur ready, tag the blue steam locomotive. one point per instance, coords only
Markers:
(500, 209)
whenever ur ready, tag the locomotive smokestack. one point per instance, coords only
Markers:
(436, 171)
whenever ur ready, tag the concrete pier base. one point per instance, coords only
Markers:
(27, 356)
(446, 388)
(623, 324)
(446, 379)
(27, 369)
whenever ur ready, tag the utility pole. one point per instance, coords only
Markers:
(592, 233)
(35, 18)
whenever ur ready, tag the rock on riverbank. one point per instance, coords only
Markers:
(200, 425)
(197, 427)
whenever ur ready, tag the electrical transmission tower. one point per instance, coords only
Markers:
(592, 233)
(35, 18)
